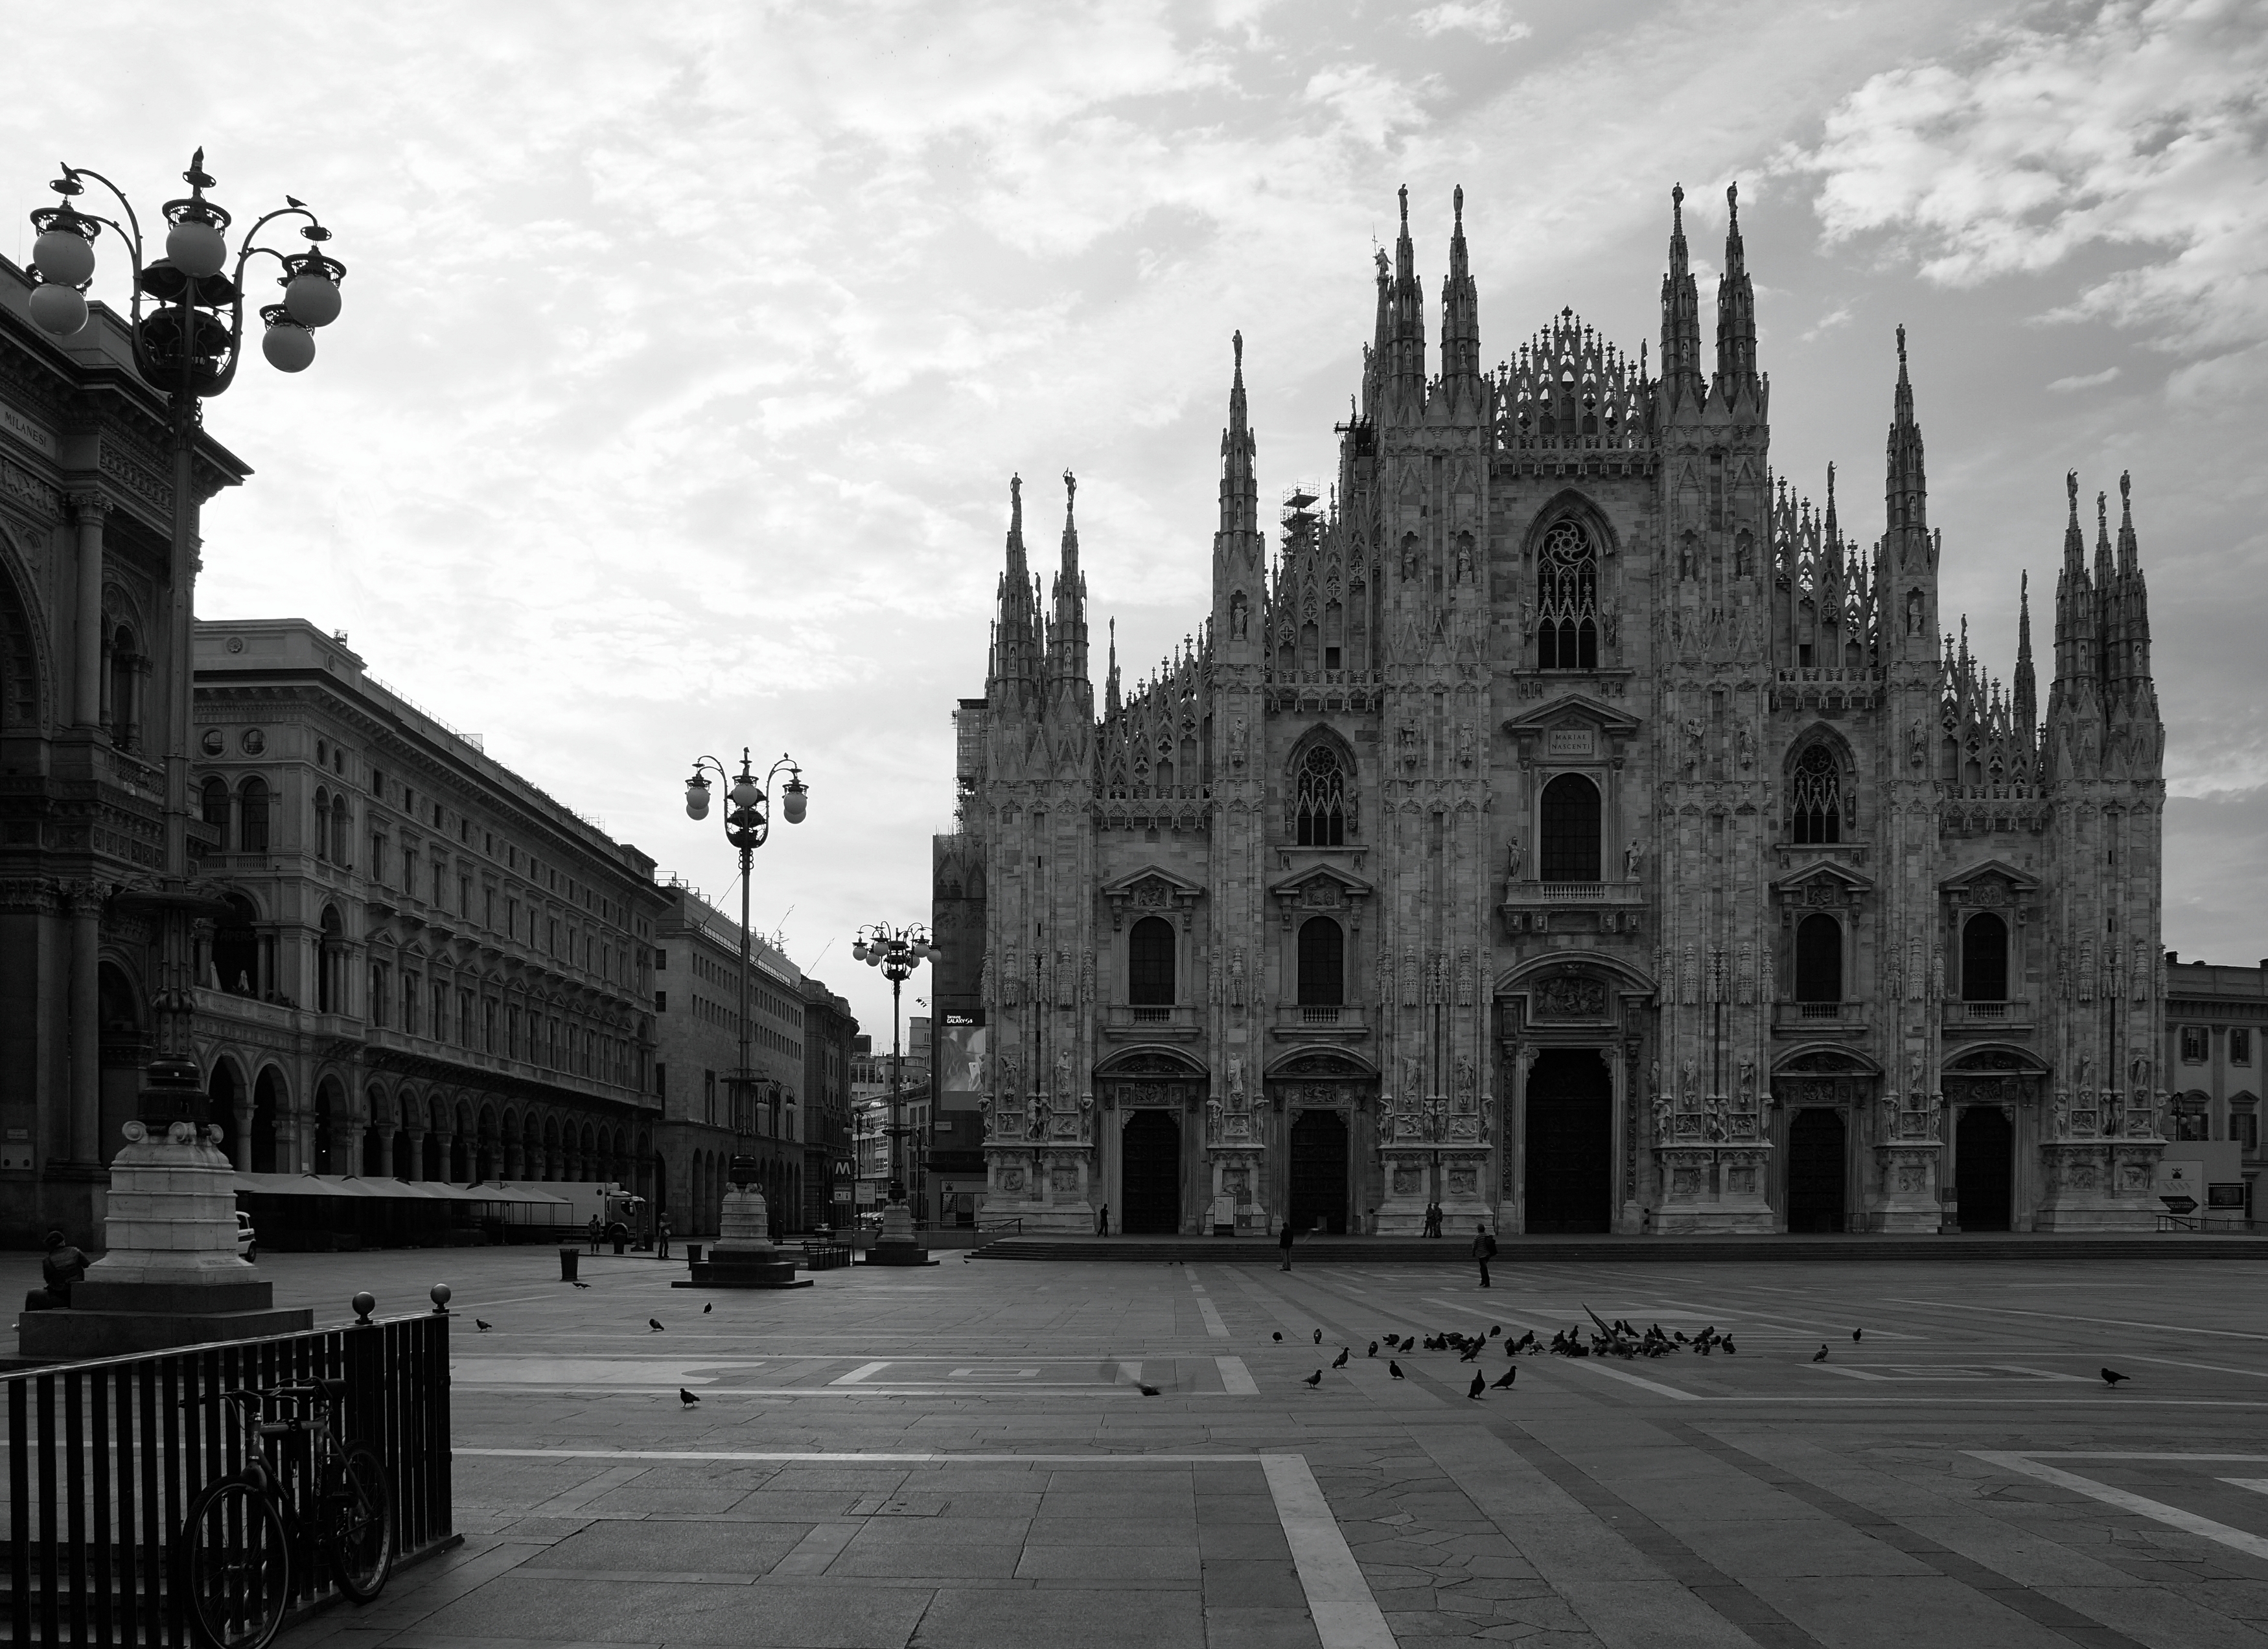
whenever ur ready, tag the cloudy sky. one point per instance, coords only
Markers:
(688, 348)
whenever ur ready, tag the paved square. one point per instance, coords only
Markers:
(964, 1456)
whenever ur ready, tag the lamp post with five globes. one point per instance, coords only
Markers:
(897, 952)
(187, 322)
(747, 827)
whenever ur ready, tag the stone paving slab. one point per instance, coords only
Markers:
(1750, 1499)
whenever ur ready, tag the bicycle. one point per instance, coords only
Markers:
(237, 1544)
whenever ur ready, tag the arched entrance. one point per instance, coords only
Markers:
(1150, 1173)
(220, 1107)
(1983, 1152)
(1570, 1142)
(265, 1119)
(1319, 1173)
(1815, 1171)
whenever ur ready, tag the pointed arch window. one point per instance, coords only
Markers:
(1815, 805)
(1319, 807)
(1567, 600)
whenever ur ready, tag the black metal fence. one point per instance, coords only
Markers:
(104, 1458)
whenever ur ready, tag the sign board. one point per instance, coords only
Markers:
(963, 1051)
(1570, 741)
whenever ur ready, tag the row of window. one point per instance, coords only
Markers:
(2196, 1044)
(473, 1019)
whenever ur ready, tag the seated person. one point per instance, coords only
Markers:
(62, 1266)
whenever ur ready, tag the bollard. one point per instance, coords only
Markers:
(693, 1254)
(569, 1259)
(440, 1297)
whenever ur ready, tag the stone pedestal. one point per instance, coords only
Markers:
(1908, 1201)
(896, 1244)
(170, 1275)
(2100, 1185)
(1714, 1189)
(744, 1255)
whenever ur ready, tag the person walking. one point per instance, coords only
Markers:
(595, 1232)
(1483, 1249)
(1284, 1241)
(661, 1238)
(1102, 1220)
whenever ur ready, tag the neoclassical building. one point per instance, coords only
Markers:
(424, 967)
(1569, 825)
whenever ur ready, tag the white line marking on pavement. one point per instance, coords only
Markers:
(1235, 1378)
(2106, 1454)
(1651, 1385)
(1493, 1316)
(2173, 1516)
(2258, 1485)
(2112, 1322)
(859, 1373)
(2210, 1368)
(838, 1457)
(1206, 1309)
(1345, 1613)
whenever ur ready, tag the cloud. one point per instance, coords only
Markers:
(1838, 316)
(1491, 20)
(2138, 134)
(2091, 381)
(1369, 103)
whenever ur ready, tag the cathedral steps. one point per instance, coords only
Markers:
(2186, 1247)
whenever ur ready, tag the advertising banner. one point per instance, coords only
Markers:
(961, 1055)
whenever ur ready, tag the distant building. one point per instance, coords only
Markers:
(426, 968)
(2216, 1020)
(697, 1025)
(828, 1030)
(94, 816)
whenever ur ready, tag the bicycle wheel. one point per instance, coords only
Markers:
(357, 1531)
(235, 1566)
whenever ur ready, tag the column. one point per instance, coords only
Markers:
(244, 1130)
(85, 901)
(88, 510)
(386, 1132)
(416, 1155)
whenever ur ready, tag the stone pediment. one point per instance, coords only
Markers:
(1993, 882)
(1150, 889)
(1824, 882)
(1573, 727)
(1320, 888)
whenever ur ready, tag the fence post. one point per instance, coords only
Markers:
(365, 1376)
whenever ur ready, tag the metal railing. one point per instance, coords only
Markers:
(1000, 1227)
(1315, 1013)
(104, 1458)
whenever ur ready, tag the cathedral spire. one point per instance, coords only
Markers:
(1407, 366)
(1830, 531)
(1736, 313)
(1067, 634)
(2027, 689)
(1240, 493)
(1680, 325)
(1905, 488)
(2075, 608)
(1017, 631)
(1460, 310)
(1111, 702)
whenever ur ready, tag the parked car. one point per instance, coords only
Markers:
(247, 1240)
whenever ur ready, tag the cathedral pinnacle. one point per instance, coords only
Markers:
(1681, 322)
(1461, 320)
(1905, 485)
(1736, 313)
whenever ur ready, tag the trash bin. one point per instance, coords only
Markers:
(567, 1259)
(693, 1254)
(620, 1241)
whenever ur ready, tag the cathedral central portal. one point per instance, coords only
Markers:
(1569, 1143)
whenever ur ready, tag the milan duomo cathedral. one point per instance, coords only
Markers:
(1571, 829)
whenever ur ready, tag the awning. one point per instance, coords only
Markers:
(349, 1185)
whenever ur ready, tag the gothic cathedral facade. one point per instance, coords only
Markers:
(1569, 830)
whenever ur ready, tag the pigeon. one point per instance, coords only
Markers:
(1730, 1349)
(1277, 1336)
(1679, 1335)
(1819, 1356)
(1855, 1333)
(2111, 1377)
(1476, 1387)
(1495, 1329)
(1472, 1351)
(653, 1325)
(686, 1397)
(1395, 1369)
(582, 1286)
(1373, 1347)
(482, 1327)
(1147, 1391)
(706, 1309)
(1319, 1336)
(1340, 1361)
(1504, 1383)
(1315, 1379)
(295, 201)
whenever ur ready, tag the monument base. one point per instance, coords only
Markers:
(69, 1335)
(888, 1252)
(749, 1272)
(744, 1255)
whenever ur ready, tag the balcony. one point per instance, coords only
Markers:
(1987, 1018)
(1600, 907)
(1818, 1019)
(1317, 1022)
(1176, 1023)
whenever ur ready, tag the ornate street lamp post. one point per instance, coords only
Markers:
(170, 1274)
(747, 827)
(186, 320)
(897, 952)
